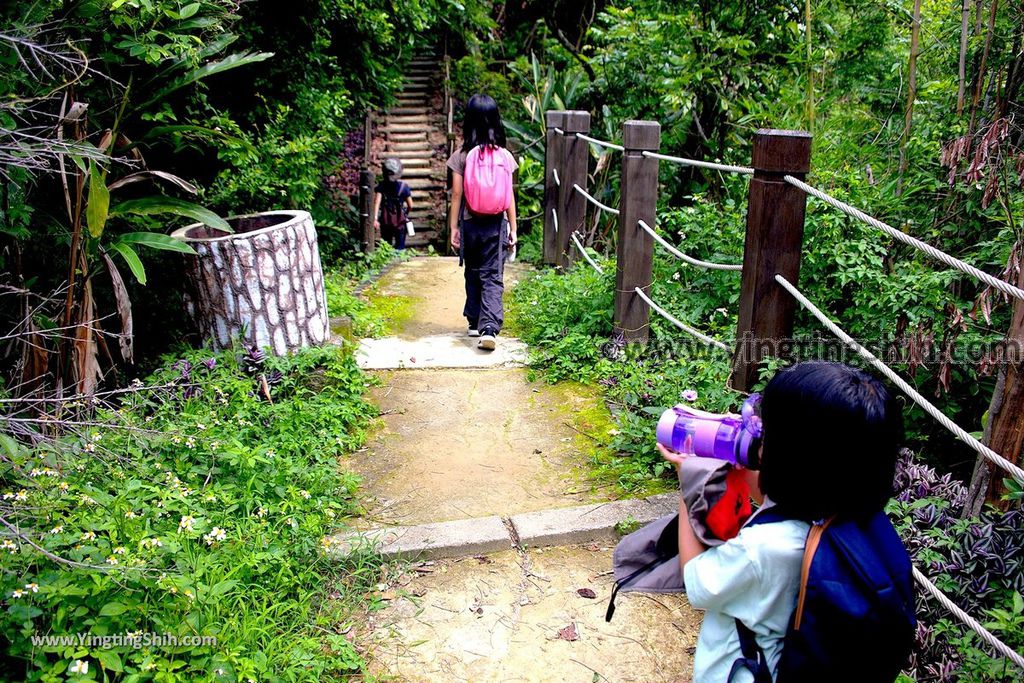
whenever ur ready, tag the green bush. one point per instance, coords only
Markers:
(196, 506)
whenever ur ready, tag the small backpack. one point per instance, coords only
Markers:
(487, 181)
(392, 209)
(854, 619)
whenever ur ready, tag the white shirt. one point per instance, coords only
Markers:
(755, 578)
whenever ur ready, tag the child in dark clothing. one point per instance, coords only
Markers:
(392, 201)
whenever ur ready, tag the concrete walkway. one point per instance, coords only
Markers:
(474, 471)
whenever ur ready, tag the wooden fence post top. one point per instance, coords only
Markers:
(554, 119)
(576, 122)
(641, 135)
(782, 151)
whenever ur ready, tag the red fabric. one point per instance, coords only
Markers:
(729, 512)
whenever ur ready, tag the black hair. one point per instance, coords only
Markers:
(832, 434)
(482, 123)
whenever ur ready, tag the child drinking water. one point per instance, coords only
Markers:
(831, 437)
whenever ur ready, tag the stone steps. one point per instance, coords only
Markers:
(408, 137)
(404, 154)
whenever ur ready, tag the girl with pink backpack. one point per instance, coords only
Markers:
(482, 219)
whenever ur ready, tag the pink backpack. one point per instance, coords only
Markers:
(487, 182)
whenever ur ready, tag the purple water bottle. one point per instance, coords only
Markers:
(726, 437)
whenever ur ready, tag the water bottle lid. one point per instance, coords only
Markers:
(666, 425)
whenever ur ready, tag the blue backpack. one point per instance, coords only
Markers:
(854, 620)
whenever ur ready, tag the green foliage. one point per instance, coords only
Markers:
(203, 504)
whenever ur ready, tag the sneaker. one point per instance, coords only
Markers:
(474, 332)
(486, 342)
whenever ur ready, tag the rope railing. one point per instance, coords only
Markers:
(680, 255)
(579, 246)
(983, 450)
(590, 198)
(601, 143)
(554, 176)
(725, 168)
(938, 254)
(554, 220)
(970, 621)
(681, 325)
(558, 131)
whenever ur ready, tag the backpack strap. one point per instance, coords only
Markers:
(753, 659)
(814, 535)
(628, 580)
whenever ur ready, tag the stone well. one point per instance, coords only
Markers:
(262, 283)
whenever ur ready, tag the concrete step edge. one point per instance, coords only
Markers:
(482, 535)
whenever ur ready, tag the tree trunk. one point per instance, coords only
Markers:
(961, 87)
(264, 283)
(1004, 431)
(915, 32)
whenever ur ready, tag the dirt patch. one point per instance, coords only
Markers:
(469, 443)
(499, 618)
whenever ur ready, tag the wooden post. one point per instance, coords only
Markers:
(775, 230)
(572, 170)
(1004, 431)
(552, 159)
(366, 179)
(636, 247)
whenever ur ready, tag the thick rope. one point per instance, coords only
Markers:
(554, 174)
(680, 255)
(1014, 471)
(725, 168)
(963, 616)
(558, 131)
(554, 219)
(590, 198)
(583, 251)
(681, 325)
(1001, 285)
(600, 143)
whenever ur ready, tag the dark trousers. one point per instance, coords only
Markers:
(483, 253)
(394, 236)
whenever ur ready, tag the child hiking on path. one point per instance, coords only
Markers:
(482, 200)
(392, 201)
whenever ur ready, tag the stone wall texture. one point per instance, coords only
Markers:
(265, 286)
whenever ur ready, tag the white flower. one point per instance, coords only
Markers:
(190, 442)
(136, 383)
(119, 550)
(97, 437)
(88, 535)
(9, 495)
(131, 514)
(261, 513)
(9, 546)
(219, 671)
(271, 453)
(33, 587)
(675, 275)
(200, 426)
(36, 472)
(151, 543)
(216, 534)
(17, 593)
(80, 667)
(209, 497)
(57, 529)
(305, 494)
(63, 486)
(90, 448)
(112, 561)
(186, 523)
(22, 495)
